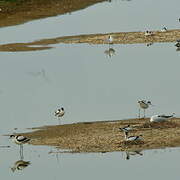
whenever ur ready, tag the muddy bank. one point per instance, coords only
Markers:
(106, 136)
(119, 38)
(15, 12)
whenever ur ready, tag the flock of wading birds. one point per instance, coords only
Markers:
(143, 104)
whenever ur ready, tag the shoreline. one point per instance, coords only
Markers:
(105, 136)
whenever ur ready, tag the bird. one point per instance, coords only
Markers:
(59, 113)
(126, 128)
(177, 44)
(164, 29)
(132, 138)
(143, 105)
(20, 165)
(110, 39)
(148, 33)
(20, 140)
(161, 118)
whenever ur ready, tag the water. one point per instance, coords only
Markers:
(91, 86)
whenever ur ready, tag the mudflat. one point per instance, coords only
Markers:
(105, 136)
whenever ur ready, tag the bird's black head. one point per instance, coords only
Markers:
(62, 109)
(11, 136)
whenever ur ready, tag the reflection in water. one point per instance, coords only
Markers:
(110, 52)
(133, 153)
(149, 44)
(20, 165)
(42, 74)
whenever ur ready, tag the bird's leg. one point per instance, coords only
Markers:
(21, 152)
(139, 115)
(59, 120)
(144, 113)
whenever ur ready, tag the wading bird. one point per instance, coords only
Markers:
(126, 128)
(143, 104)
(20, 140)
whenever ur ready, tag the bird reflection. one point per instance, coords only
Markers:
(110, 52)
(133, 153)
(149, 44)
(20, 165)
(178, 49)
(41, 73)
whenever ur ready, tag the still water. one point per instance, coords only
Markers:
(91, 86)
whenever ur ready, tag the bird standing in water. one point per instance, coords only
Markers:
(20, 140)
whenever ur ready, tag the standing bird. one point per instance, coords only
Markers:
(20, 140)
(143, 104)
(161, 118)
(110, 40)
(164, 29)
(126, 128)
(59, 113)
(132, 138)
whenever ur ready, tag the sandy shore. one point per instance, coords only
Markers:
(119, 38)
(106, 137)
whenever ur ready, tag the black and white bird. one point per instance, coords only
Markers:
(161, 118)
(20, 165)
(20, 140)
(148, 33)
(110, 39)
(59, 113)
(177, 44)
(132, 138)
(126, 128)
(143, 104)
(164, 29)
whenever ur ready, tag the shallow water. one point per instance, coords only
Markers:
(91, 86)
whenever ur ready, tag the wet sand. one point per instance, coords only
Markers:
(119, 38)
(105, 136)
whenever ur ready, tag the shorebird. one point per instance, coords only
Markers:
(143, 105)
(161, 118)
(164, 29)
(126, 128)
(177, 44)
(110, 39)
(20, 165)
(20, 140)
(132, 138)
(148, 33)
(59, 113)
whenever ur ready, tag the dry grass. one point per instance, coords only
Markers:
(106, 136)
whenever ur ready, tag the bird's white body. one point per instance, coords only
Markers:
(161, 118)
(60, 112)
(110, 39)
(132, 138)
(143, 104)
(164, 29)
(19, 139)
